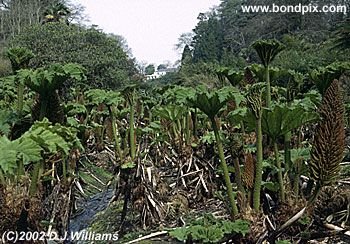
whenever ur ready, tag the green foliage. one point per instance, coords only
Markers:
(300, 154)
(324, 76)
(107, 65)
(7, 89)
(211, 103)
(208, 138)
(179, 95)
(259, 72)
(42, 137)
(207, 43)
(186, 57)
(311, 100)
(342, 35)
(57, 12)
(46, 80)
(226, 33)
(237, 115)
(72, 109)
(23, 149)
(47, 137)
(280, 119)
(283, 242)
(210, 230)
(19, 57)
(199, 73)
(231, 75)
(167, 79)
(170, 112)
(7, 118)
(99, 96)
(271, 186)
(305, 220)
(5, 67)
(128, 165)
(150, 69)
(300, 54)
(268, 50)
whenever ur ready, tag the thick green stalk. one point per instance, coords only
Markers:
(175, 134)
(234, 210)
(37, 171)
(20, 91)
(132, 132)
(242, 127)
(2, 178)
(20, 168)
(238, 175)
(279, 172)
(43, 108)
(287, 154)
(268, 86)
(150, 116)
(188, 131)
(297, 176)
(194, 122)
(179, 127)
(287, 143)
(315, 193)
(180, 132)
(64, 168)
(112, 114)
(142, 110)
(258, 170)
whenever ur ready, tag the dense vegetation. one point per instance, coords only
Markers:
(245, 142)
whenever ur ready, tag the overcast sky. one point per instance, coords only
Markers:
(151, 27)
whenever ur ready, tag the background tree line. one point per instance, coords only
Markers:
(54, 31)
(224, 36)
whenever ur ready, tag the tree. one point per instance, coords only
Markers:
(149, 70)
(162, 66)
(57, 12)
(207, 42)
(342, 35)
(122, 42)
(185, 39)
(226, 34)
(107, 65)
(16, 15)
(186, 56)
(141, 66)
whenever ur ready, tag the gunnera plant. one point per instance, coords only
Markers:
(329, 141)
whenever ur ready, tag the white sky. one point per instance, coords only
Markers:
(151, 27)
